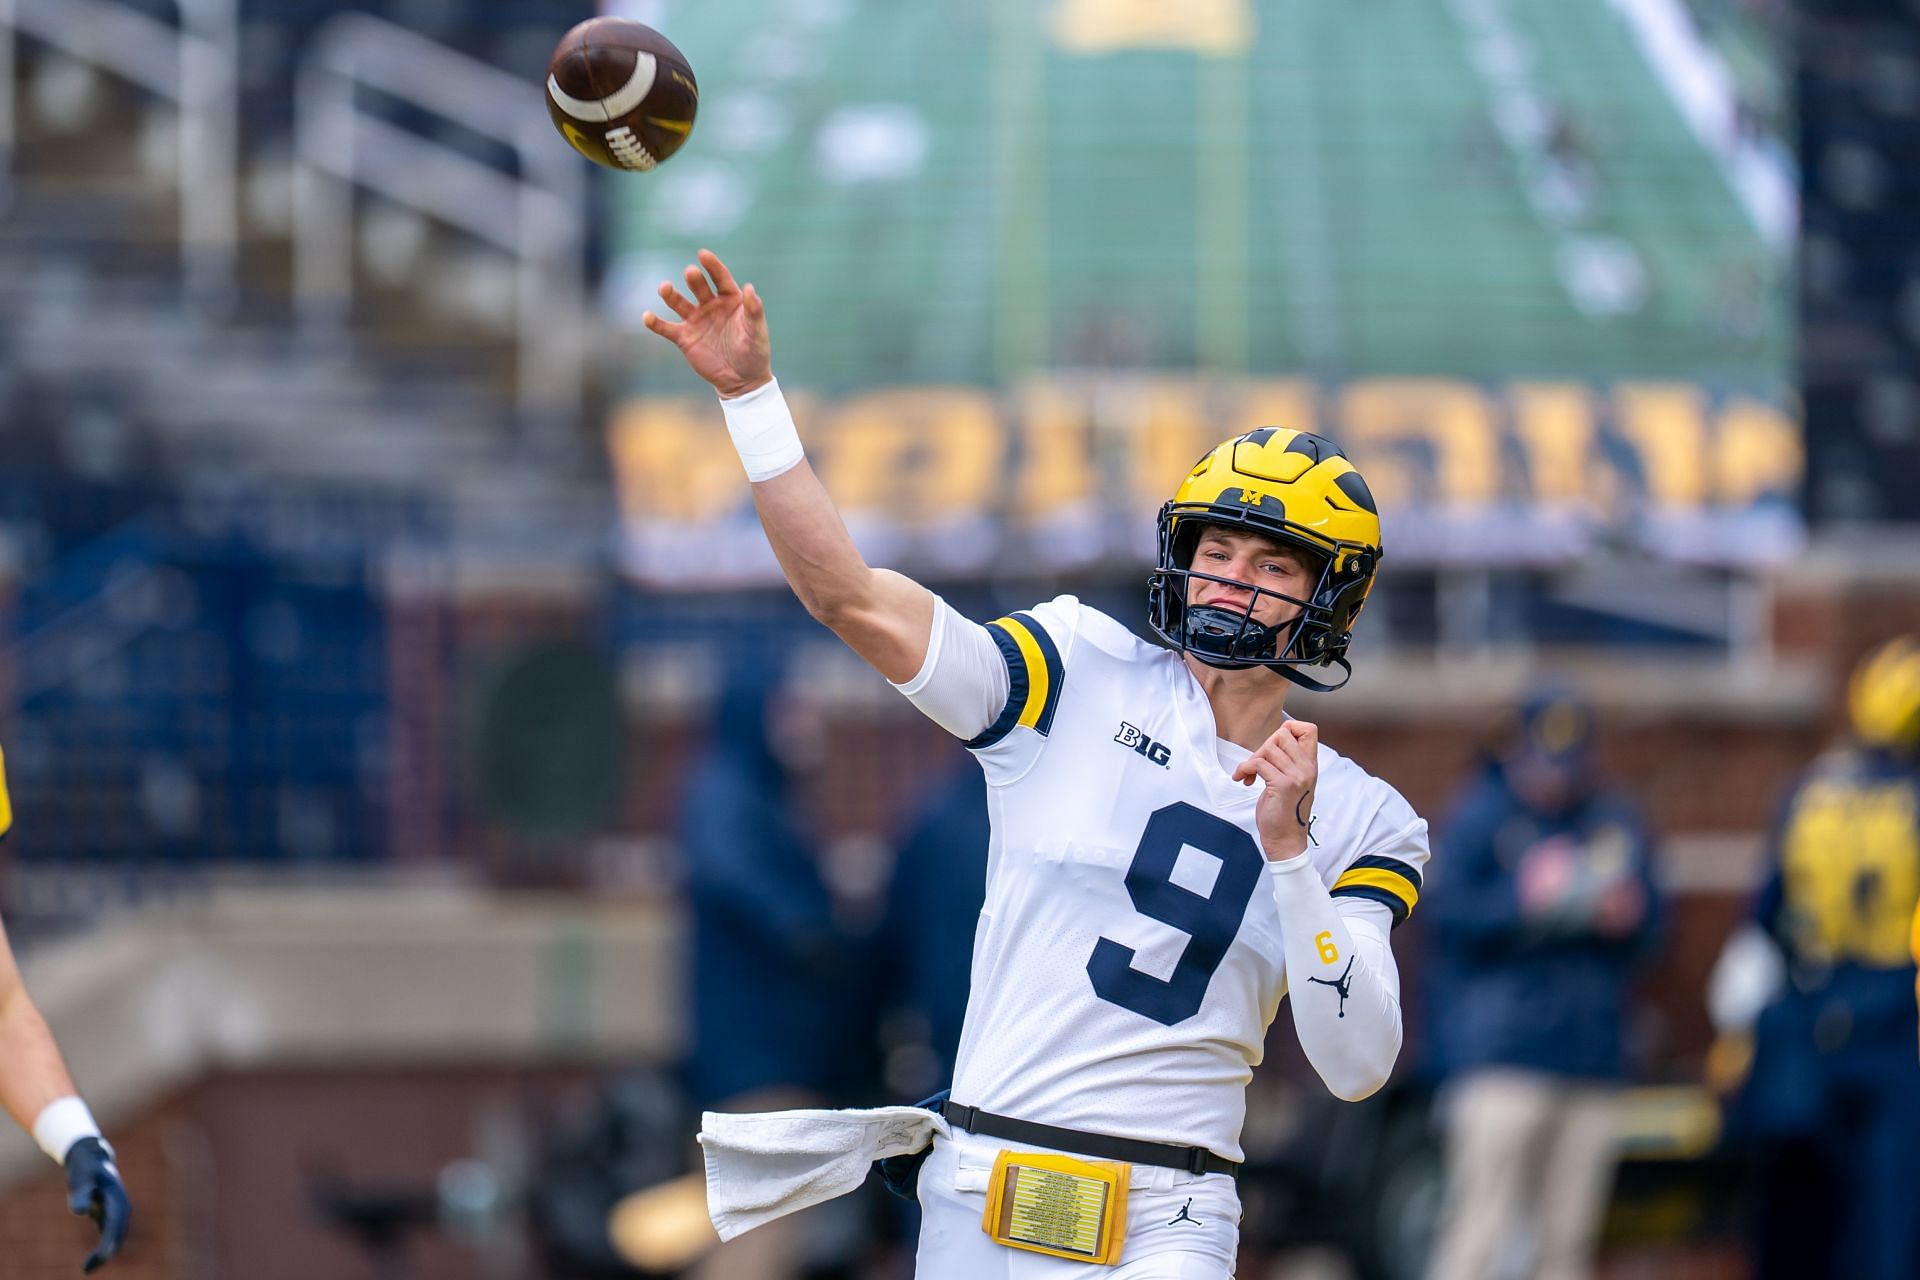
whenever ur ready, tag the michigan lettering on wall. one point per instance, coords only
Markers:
(1070, 470)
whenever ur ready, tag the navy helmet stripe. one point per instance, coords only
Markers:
(1350, 483)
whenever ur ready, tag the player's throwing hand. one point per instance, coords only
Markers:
(1289, 764)
(722, 331)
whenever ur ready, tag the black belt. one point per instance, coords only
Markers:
(1098, 1145)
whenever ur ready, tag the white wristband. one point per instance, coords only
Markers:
(763, 432)
(62, 1123)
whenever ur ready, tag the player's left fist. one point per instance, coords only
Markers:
(1288, 764)
(94, 1189)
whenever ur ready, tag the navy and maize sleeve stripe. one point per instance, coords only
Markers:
(1036, 674)
(1388, 881)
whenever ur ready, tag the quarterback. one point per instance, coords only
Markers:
(39, 1094)
(1171, 854)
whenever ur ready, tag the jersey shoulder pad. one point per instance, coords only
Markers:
(1374, 845)
(1100, 631)
(1035, 644)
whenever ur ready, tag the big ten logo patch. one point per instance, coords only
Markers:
(1130, 736)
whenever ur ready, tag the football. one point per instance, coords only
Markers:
(620, 93)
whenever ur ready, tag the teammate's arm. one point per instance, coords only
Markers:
(32, 1075)
(883, 616)
(38, 1093)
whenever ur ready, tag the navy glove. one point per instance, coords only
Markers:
(93, 1189)
(901, 1174)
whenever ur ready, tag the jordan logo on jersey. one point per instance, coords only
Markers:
(1129, 736)
(1343, 984)
(1185, 1215)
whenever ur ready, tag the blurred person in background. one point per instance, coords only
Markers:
(775, 980)
(38, 1093)
(926, 937)
(1546, 908)
(924, 952)
(1818, 991)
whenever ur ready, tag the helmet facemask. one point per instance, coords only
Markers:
(1230, 638)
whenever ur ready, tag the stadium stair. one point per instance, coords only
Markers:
(145, 430)
(86, 303)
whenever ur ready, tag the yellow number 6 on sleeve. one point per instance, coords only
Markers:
(1329, 954)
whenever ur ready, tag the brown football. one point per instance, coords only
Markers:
(621, 93)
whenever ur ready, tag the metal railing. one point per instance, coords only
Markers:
(537, 215)
(193, 64)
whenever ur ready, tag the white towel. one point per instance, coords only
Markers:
(765, 1165)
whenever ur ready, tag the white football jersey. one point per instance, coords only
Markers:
(1128, 957)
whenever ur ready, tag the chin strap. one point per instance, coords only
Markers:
(1288, 672)
(1308, 683)
(1208, 628)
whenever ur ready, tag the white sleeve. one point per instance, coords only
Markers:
(964, 683)
(1745, 979)
(1342, 981)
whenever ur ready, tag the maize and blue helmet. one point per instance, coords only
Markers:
(1299, 490)
(1883, 699)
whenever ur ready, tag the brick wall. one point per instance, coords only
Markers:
(222, 1176)
(40, 1240)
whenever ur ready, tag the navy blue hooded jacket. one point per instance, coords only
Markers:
(1507, 991)
(933, 910)
(773, 995)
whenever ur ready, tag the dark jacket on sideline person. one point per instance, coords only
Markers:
(1507, 989)
(933, 910)
(772, 975)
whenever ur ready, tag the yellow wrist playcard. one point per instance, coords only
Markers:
(1058, 1205)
